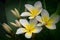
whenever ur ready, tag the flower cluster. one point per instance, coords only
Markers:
(38, 17)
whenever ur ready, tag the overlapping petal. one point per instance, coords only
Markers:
(25, 14)
(37, 30)
(24, 22)
(20, 31)
(51, 26)
(28, 7)
(39, 18)
(28, 35)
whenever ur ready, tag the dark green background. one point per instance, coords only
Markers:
(6, 16)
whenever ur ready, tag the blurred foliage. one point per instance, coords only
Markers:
(53, 6)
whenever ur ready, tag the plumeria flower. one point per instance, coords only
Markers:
(33, 10)
(28, 28)
(49, 22)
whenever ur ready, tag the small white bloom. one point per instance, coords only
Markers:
(29, 28)
(33, 10)
(49, 22)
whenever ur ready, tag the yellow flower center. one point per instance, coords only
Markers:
(34, 12)
(48, 22)
(29, 28)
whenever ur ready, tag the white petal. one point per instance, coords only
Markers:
(55, 18)
(38, 4)
(25, 14)
(44, 13)
(40, 24)
(28, 35)
(39, 18)
(40, 10)
(34, 21)
(23, 22)
(37, 30)
(28, 7)
(31, 17)
(51, 27)
(20, 31)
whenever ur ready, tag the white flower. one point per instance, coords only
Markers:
(33, 10)
(49, 22)
(29, 28)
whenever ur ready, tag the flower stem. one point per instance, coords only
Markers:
(44, 4)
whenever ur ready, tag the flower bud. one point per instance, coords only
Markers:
(17, 23)
(7, 27)
(8, 36)
(16, 13)
(14, 24)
